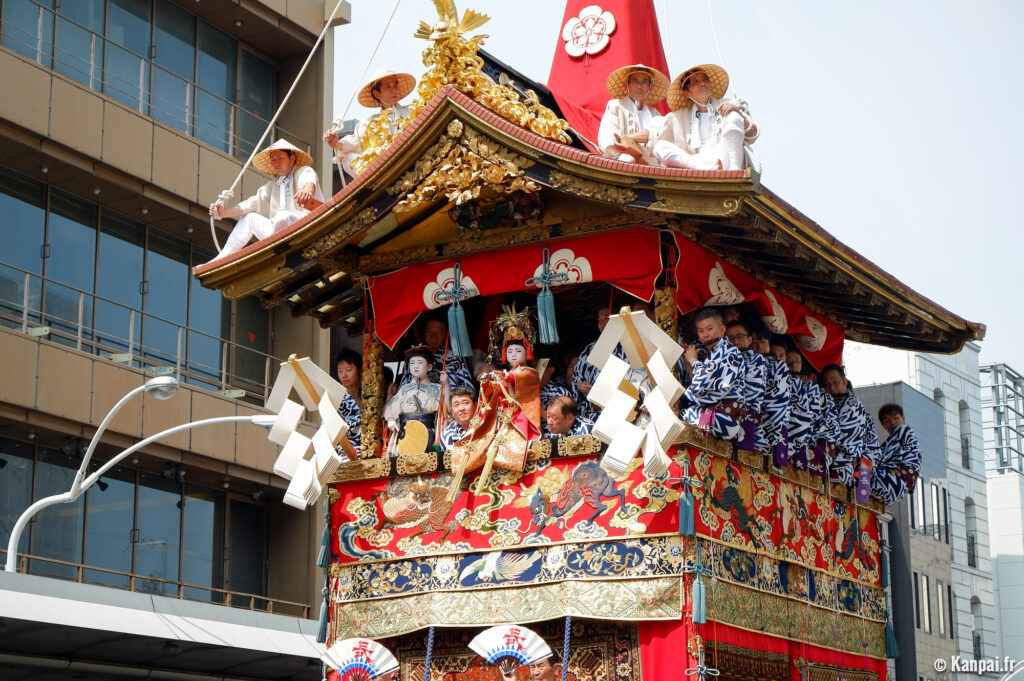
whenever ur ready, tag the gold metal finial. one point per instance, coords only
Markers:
(452, 60)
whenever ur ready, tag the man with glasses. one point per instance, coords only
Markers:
(754, 375)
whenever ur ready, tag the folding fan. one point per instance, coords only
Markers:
(360, 659)
(510, 646)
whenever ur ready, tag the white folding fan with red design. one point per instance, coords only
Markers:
(360, 659)
(510, 646)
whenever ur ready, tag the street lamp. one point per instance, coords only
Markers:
(161, 388)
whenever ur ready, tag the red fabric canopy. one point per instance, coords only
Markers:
(629, 260)
(663, 649)
(705, 279)
(601, 39)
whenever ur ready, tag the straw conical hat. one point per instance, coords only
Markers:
(261, 161)
(677, 99)
(406, 83)
(616, 82)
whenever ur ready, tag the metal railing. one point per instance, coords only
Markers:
(42, 305)
(35, 565)
(179, 103)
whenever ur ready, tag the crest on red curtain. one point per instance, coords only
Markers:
(401, 295)
(593, 41)
(433, 292)
(704, 279)
(588, 33)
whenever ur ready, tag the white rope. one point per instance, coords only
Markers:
(228, 193)
(362, 75)
(714, 34)
(668, 36)
(755, 159)
(370, 60)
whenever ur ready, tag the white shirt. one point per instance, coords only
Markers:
(352, 145)
(623, 117)
(279, 194)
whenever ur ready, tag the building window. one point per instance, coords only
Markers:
(926, 605)
(936, 513)
(135, 529)
(965, 435)
(940, 607)
(918, 519)
(971, 521)
(949, 604)
(945, 515)
(976, 637)
(110, 284)
(917, 600)
(155, 57)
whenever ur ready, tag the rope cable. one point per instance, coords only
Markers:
(714, 34)
(230, 192)
(362, 75)
(668, 36)
(370, 60)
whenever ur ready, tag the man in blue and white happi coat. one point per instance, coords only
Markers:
(857, 437)
(435, 333)
(900, 461)
(755, 368)
(803, 399)
(463, 410)
(772, 430)
(716, 389)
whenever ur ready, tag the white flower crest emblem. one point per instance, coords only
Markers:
(588, 33)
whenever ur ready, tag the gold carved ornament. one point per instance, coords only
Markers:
(452, 60)
(462, 174)
(372, 385)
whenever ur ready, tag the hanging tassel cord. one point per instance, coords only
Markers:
(548, 327)
(701, 671)
(226, 195)
(442, 406)
(566, 637)
(698, 589)
(325, 550)
(687, 506)
(430, 654)
(458, 333)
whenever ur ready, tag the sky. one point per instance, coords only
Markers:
(892, 124)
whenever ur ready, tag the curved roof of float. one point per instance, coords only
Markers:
(392, 215)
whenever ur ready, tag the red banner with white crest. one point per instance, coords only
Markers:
(629, 260)
(593, 41)
(705, 279)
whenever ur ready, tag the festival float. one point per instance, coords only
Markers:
(647, 549)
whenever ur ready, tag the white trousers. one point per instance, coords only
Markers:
(729, 151)
(255, 225)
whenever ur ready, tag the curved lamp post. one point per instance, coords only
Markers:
(161, 388)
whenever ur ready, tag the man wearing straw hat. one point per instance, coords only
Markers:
(704, 131)
(628, 117)
(383, 91)
(276, 204)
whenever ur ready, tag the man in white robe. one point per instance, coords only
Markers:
(628, 117)
(704, 131)
(278, 203)
(383, 91)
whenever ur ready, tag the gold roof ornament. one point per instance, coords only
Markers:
(452, 60)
